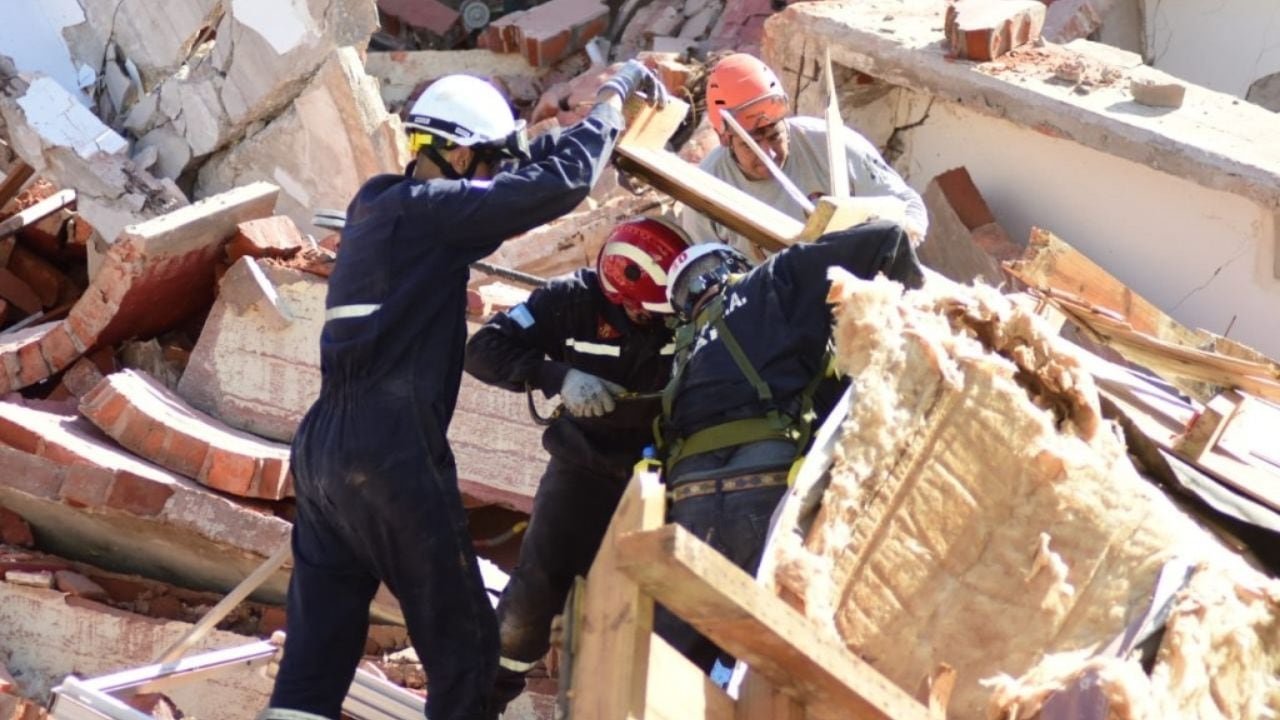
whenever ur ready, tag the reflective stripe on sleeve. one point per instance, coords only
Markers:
(342, 312)
(591, 348)
(515, 665)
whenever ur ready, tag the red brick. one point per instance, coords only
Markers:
(18, 293)
(272, 619)
(963, 196)
(73, 583)
(150, 420)
(983, 30)
(50, 284)
(165, 606)
(32, 367)
(82, 377)
(59, 348)
(21, 437)
(273, 237)
(138, 495)
(229, 472)
(14, 530)
(29, 474)
(86, 486)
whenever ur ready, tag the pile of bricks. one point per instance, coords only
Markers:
(548, 33)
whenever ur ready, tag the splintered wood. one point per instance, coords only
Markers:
(982, 515)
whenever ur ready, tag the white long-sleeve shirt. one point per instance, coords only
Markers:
(807, 166)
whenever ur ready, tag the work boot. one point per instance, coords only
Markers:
(507, 686)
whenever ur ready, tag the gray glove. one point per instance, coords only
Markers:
(585, 395)
(634, 76)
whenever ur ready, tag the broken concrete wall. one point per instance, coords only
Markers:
(264, 55)
(49, 635)
(1177, 204)
(1226, 46)
(67, 144)
(332, 138)
(979, 503)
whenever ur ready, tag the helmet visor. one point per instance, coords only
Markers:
(694, 281)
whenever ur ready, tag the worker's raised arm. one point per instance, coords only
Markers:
(525, 345)
(517, 201)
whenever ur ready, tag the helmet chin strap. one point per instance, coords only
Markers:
(447, 168)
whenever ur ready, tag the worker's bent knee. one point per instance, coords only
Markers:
(286, 714)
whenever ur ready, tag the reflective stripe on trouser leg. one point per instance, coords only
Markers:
(515, 665)
(286, 714)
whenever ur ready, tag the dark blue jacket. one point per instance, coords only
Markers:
(778, 313)
(392, 348)
(571, 324)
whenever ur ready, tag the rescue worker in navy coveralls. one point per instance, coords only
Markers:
(589, 337)
(377, 492)
(750, 380)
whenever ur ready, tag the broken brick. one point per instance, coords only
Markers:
(149, 419)
(272, 237)
(18, 293)
(14, 530)
(82, 377)
(983, 30)
(964, 241)
(29, 578)
(1154, 93)
(549, 32)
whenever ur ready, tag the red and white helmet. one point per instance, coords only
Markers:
(633, 264)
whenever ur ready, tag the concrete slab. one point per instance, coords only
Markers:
(332, 137)
(85, 498)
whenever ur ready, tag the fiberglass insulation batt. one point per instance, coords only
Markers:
(981, 513)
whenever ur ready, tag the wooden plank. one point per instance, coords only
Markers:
(762, 224)
(1176, 361)
(760, 700)
(37, 212)
(1207, 428)
(612, 649)
(679, 690)
(837, 164)
(725, 604)
(19, 174)
(1049, 262)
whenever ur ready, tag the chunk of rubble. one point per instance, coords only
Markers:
(980, 505)
(335, 135)
(964, 241)
(145, 417)
(548, 33)
(263, 56)
(1155, 93)
(983, 30)
(64, 142)
(156, 274)
(260, 375)
(402, 73)
(53, 635)
(87, 498)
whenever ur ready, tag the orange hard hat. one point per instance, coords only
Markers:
(745, 86)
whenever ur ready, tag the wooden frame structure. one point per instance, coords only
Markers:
(620, 670)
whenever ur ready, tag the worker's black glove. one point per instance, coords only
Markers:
(634, 76)
(585, 395)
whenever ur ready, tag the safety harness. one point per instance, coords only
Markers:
(774, 425)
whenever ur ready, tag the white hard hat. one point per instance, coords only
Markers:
(696, 269)
(463, 109)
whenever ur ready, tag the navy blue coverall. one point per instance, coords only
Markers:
(377, 491)
(570, 324)
(778, 314)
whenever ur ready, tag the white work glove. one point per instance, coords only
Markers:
(585, 395)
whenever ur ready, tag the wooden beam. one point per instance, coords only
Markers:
(1207, 428)
(1050, 263)
(19, 174)
(760, 700)
(725, 604)
(611, 653)
(679, 690)
(37, 212)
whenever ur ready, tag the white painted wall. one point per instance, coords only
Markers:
(1203, 256)
(31, 34)
(1221, 44)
